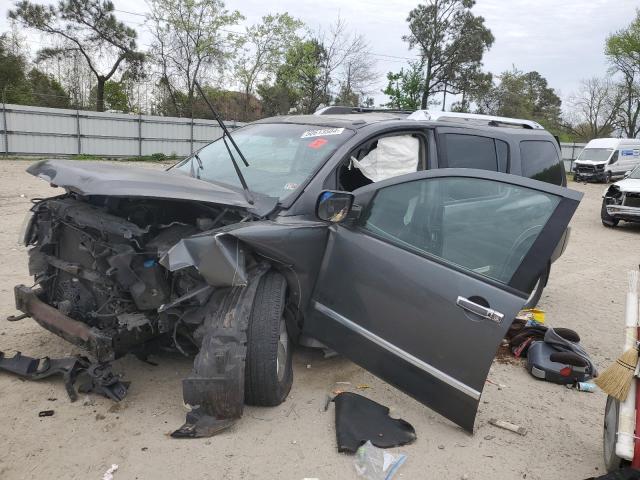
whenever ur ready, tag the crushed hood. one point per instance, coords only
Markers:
(118, 180)
(628, 185)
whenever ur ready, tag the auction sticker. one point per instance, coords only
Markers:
(322, 132)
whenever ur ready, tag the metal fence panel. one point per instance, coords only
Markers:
(54, 131)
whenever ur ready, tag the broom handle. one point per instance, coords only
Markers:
(635, 463)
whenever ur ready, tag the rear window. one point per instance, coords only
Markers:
(473, 151)
(540, 161)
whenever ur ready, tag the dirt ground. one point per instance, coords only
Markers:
(297, 440)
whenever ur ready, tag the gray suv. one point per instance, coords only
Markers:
(397, 240)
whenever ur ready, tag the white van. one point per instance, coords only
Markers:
(604, 158)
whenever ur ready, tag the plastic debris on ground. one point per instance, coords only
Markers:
(373, 463)
(359, 419)
(108, 475)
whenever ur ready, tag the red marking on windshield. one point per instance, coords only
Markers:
(318, 143)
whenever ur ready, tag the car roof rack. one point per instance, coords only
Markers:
(491, 120)
(345, 110)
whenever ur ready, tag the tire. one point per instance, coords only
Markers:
(611, 414)
(538, 288)
(268, 368)
(607, 220)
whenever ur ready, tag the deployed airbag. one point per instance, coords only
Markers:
(394, 156)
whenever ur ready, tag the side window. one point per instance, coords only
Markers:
(540, 161)
(614, 157)
(470, 151)
(488, 236)
(381, 158)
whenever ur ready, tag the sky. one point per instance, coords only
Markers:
(563, 40)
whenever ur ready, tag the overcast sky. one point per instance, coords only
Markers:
(563, 40)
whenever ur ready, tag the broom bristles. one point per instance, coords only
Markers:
(616, 379)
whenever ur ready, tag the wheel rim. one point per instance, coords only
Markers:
(610, 430)
(283, 351)
(533, 292)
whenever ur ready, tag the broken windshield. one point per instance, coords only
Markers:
(281, 156)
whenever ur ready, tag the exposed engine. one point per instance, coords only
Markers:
(96, 261)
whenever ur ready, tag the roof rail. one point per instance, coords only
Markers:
(490, 120)
(344, 110)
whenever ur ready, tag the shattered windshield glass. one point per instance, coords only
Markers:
(280, 156)
(595, 154)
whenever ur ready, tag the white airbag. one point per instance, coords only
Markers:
(394, 156)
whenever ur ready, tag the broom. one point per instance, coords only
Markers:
(616, 380)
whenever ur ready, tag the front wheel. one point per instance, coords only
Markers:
(607, 220)
(609, 436)
(268, 368)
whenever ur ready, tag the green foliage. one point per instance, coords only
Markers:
(115, 97)
(623, 51)
(303, 75)
(88, 26)
(277, 99)
(405, 87)
(451, 42)
(28, 88)
(521, 95)
(191, 41)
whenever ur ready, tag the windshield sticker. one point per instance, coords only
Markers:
(318, 143)
(322, 132)
(291, 186)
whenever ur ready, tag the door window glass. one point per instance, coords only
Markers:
(540, 161)
(470, 151)
(614, 158)
(488, 235)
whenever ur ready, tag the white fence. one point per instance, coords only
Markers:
(55, 131)
(570, 152)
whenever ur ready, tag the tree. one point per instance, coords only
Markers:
(520, 95)
(13, 82)
(623, 51)
(265, 47)
(405, 87)
(190, 41)
(27, 88)
(90, 28)
(346, 63)
(304, 75)
(115, 97)
(277, 99)
(595, 109)
(449, 39)
(46, 91)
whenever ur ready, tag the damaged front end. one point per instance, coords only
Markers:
(621, 204)
(99, 281)
(105, 280)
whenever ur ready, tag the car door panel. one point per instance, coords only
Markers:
(402, 312)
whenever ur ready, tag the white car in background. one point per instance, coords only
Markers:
(604, 158)
(621, 201)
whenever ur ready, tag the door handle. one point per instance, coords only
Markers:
(480, 310)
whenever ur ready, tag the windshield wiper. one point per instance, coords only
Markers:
(225, 133)
(200, 166)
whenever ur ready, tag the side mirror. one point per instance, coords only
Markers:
(333, 206)
(627, 173)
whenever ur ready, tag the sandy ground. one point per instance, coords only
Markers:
(297, 439)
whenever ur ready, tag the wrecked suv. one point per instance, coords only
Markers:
(339, 231)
